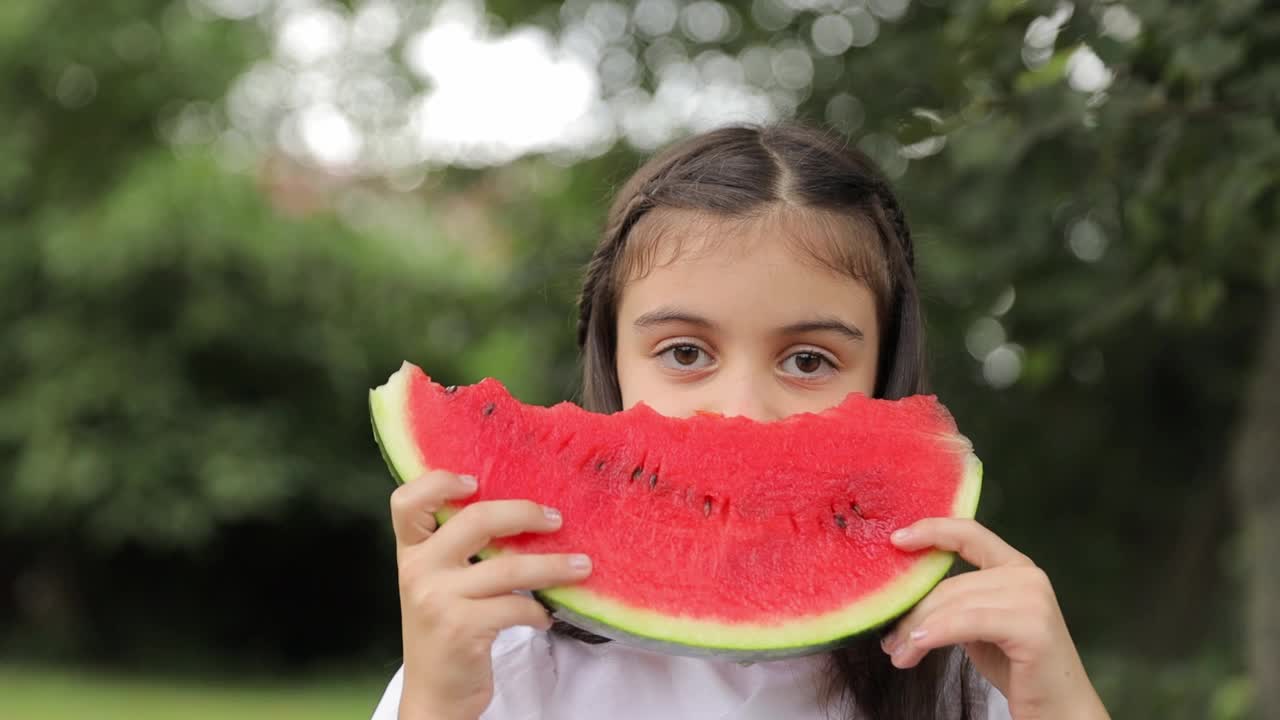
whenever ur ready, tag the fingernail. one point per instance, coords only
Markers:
(901, 536)
(581, 563)
(889, 642)
(553, 515)
(469, 481)
(918, 635)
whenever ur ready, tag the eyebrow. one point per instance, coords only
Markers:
(670, 315)
(823, 324)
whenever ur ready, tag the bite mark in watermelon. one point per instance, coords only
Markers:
(709, 535)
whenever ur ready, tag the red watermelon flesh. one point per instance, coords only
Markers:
(708, 535)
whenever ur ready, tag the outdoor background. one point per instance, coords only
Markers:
(223, 221)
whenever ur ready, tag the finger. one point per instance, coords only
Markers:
(509, 572)
(973, 542)
(504, 611)
(990, 619)
(968, 585)
(413, 504)
(475, 526)
(1023, 590)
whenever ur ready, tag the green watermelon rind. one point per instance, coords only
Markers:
(693, 636)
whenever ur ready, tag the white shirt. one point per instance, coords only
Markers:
(543, 676)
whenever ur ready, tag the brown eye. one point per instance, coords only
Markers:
(685, 354)
(808, 363)
(685, 358)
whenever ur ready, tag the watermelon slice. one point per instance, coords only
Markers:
(709, 536)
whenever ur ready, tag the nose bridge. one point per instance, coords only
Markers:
(748, 392)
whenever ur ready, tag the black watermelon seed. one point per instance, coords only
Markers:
(841, 522)
(653, 480)
(600, 465)
(451, 390)
(488, 409)
(635, 474)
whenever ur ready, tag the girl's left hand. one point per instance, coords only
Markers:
(1006, 617)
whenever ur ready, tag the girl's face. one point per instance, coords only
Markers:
(745, 324)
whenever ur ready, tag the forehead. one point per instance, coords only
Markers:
(824, 241)
(743, 277)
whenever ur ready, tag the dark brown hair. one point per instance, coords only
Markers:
(740, 172)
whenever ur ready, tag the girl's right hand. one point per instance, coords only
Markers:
(452, 610)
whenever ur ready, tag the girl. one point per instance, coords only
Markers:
(755, 272)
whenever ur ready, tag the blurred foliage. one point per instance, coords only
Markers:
(1196, 688)
(186, 339)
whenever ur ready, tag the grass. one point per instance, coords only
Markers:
(33, 693)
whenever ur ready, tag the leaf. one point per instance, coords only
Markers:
(1206, 59)
(1051, 73)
